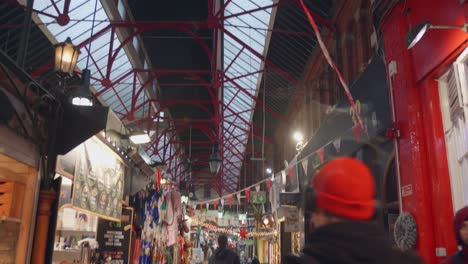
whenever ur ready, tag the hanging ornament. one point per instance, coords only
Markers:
(243, 232)
(291, 173)
(247, 195)
(257, 187)
(230, 200)
(215, 205)
(337, 144)
(321, 155)
(268, 184)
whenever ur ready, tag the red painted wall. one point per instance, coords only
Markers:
(423, 159)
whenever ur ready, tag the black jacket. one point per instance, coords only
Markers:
(350, 243)
(224, 256)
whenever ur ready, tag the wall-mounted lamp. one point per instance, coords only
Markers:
(82, 96)
(268, 170)
(66, 56)
(417, 32)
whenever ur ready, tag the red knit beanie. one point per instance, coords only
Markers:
(345, 187)
(460, 217)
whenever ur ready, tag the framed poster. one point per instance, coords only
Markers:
(98, 180)
(292, 222)
(114, 237)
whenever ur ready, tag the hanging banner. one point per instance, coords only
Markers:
(98, 180)
(292, 223)
(114, 237)
(258, 197)
(289, 199)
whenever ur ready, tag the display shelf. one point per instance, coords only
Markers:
(67, 250)
(9, 219)
(76, 231)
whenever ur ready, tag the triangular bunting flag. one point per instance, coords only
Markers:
(291, 173)
(215, 205)
(257, 187)
(304, 165)
(238, 197)
(230, 200)
(337, 144)
(315, 161)
(207, 206)
(222, 202)
(201, 208)
(357, 132)
(268, 184)
(247, 195)
(321, 155)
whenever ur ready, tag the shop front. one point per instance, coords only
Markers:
(427, 80)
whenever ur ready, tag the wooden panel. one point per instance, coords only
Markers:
(26, 176)
(9, 229)
(11, 198)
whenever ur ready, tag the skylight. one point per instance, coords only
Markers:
(251, 29)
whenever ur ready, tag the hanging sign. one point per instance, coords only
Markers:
(289, 199)
(98, 180)
(114, 237)
(258, 197)
(292, 223)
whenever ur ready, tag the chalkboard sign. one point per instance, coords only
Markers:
(114, 237)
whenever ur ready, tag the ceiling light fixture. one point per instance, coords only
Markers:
(139, 139)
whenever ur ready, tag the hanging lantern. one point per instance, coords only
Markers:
(215, 160)
(66, 56)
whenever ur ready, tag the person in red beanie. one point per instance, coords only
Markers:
(341, 200)
(460, 227)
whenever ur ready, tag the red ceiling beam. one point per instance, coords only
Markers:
(262, 58)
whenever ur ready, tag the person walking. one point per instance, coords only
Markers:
(222, 254)
(341, 200)
(460, 227)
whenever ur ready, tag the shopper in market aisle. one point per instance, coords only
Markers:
(460, 227)
(222, 254)
(341, 199)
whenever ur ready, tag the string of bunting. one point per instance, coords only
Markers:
(231, 194)
(233, 231)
